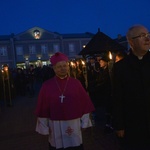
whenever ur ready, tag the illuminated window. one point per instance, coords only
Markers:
(44, 63)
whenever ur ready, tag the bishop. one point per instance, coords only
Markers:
(53, 118)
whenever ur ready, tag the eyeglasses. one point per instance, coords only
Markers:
(142, 36)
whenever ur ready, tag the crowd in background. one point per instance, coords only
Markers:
(95, 78)
(120, 88)
(21, 81)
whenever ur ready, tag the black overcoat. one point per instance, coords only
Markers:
(131, 97)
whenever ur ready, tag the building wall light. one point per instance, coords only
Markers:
(36, 34)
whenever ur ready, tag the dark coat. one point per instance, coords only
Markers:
(131, 97)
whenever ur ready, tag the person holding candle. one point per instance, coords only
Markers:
(131, 92)
(104, 93)
(63, 108)
(8, 85)
(119, 56)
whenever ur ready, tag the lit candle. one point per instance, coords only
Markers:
(110, 55)
(110, 63)
(84, 72)
(73, 66)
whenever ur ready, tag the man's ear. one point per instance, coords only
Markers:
(130, 43)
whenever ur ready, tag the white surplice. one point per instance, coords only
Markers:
(63, 134)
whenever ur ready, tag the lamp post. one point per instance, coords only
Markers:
(9, 91)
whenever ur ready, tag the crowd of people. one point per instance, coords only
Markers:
(21, 82)
(67, 102)
(122, 91)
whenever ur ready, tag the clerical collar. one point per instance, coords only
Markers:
(62, 77)
(140, 57)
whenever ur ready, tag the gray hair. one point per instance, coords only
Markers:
(131, 31)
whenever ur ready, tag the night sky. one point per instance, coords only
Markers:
(113, 17)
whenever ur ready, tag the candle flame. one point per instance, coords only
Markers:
(6, 68)
(110, 55)
(71, 63)
(83, 63)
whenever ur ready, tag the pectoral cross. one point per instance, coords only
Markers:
(62, 98)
